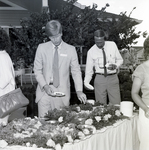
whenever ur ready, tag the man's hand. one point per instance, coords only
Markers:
(112, 67)
(49, 90)
(81, 96)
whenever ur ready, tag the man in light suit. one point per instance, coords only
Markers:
(43, 69)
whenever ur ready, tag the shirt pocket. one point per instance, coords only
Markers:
(111, 59)
(99, 62)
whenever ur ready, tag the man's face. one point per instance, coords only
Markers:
(56, 39)
(99, 41)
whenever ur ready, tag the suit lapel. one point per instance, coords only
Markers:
(62, 54)
(49, 52)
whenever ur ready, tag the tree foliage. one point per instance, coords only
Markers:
(123, 31)
(78, 28)
(26, 40)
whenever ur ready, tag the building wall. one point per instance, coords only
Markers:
(30, 5)
(12, 17)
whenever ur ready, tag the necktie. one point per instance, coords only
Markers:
(104, 62)
(56, 68)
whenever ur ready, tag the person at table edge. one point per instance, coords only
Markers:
(105, 83)
(43, 64)
(7, 74)
(140, 95)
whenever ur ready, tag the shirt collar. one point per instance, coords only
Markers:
(59, 47)
(100, 48)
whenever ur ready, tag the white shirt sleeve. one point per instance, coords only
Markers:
(89, 68)
(119, 59)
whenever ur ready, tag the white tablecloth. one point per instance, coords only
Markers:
(121, 136)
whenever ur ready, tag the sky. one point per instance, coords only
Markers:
(116, 6)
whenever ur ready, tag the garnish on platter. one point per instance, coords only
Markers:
(58, 127)
(81, 120)
(87, 129)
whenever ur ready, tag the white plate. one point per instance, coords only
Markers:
(59, 94)
(108, 64)
(91, 101)
(52, 121)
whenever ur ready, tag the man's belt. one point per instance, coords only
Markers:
(107, 74)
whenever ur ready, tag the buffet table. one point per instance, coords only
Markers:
(121, 136)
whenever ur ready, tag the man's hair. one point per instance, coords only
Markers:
(53, 28)
(99, 33)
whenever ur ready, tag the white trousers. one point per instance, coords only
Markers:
(48, 103)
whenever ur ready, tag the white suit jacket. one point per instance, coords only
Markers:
(68, 62)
